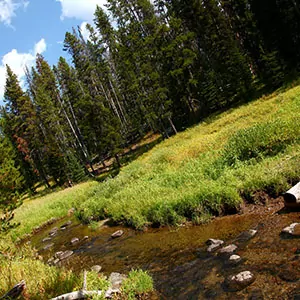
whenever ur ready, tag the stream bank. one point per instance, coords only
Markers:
(178, 260)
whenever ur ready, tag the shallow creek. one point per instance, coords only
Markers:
(178, 260)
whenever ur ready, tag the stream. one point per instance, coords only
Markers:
(178, 260)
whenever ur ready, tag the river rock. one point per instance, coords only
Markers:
(58, 254)
(228, 249)
(66, 224)
(292, 231)
(96, 268)
(46, 239)
(53, 231)
(86, 237)
(239, 281)
(117, 234)
(234, 259)
(56, 261)
(48, 246)
(116, 280)
(247, 235)
(214, 244)
(74, 240)
(65, 254)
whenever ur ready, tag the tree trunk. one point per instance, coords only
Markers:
(118, 161)
(292, 196)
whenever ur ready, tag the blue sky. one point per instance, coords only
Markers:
(28, 27)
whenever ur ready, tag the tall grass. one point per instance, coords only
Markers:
(206, 170)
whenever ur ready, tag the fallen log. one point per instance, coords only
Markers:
(292, 196)
(15, 292)
(78, 295)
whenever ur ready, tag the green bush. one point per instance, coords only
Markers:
(138, 282)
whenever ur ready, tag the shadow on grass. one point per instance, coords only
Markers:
(135, 151)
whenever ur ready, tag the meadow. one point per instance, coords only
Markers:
(206, 170)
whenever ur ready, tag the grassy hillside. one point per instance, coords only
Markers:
(203, 171)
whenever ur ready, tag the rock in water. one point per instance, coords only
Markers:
(116, 280)
(65, 254)
(58, 254)
(96, 268)
(234, 259)
(48, 246)
(74, 241)
(239, 281)
(53, 231)
(292, 231)
(117, 234)
(228, 249)
(66, 224)
(213, 244)
(46, 239)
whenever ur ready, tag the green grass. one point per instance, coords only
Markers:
(204, 171)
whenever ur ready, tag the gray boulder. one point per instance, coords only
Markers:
(239, 281)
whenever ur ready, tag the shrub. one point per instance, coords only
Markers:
(138, 282)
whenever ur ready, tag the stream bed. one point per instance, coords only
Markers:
(178, 260)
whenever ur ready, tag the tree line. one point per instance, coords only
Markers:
(147, 66)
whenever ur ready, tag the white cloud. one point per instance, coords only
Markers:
(8, 9)
(17, 61)
(80, 9)
(40, 47)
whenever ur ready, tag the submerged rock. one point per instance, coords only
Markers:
(228, 249)
(48, 246)
(96, 268)
(116, 280)
(247, 235)
(46, 239)
(239, 281)
(117, 234)
(214, 245)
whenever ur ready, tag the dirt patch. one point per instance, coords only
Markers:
(262, 203)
